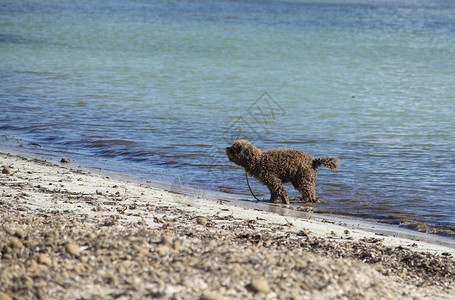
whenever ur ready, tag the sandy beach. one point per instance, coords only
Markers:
(71, 233)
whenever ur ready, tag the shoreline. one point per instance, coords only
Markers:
(171, 180)
(213, 248)
(371, 226)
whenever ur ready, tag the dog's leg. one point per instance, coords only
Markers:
(273, 196)
(276, 188)
(306, 188)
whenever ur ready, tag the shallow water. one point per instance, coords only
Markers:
(159, 89)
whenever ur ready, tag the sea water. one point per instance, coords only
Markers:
(158, 89)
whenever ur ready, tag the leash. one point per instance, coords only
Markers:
(247, 182)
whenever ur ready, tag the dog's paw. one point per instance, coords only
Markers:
(307, 200)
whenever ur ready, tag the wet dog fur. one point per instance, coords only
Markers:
(277, 166)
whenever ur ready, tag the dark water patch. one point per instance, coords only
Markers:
(12, 38)
(52, 138)
(110, 143)
(10, 127)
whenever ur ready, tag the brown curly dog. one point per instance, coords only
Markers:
(277, 166)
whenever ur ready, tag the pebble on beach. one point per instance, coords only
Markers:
(260, 286)
(211, 296)
(4, 296)
(65, 160)
(7, 170)
(201, 221)
(45, 260)
(73, 249)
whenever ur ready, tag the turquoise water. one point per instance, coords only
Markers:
(159, 89)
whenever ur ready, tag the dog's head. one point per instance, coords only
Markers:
(243, 153)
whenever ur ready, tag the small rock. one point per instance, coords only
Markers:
(65, 160)
(41, 293)
(211, 296)
(7, 171)
(162, 250)
(112, 280)
(372, 240)
(27, 281)
(44, 259)
(32, 266)
(142, 223)
(64, 275)
(4, 296)
(20, 233)
(380, 269)
(260, 286)
(177, 245)
(301, 263)
(166, 240)
(143, 251)
(73, 249)
(79, 269)
(16, 243)
(7, 256)
(201, 221)
(303, 232)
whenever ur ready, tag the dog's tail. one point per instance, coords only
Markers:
(326, 161)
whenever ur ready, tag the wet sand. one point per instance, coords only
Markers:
(69, 234)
